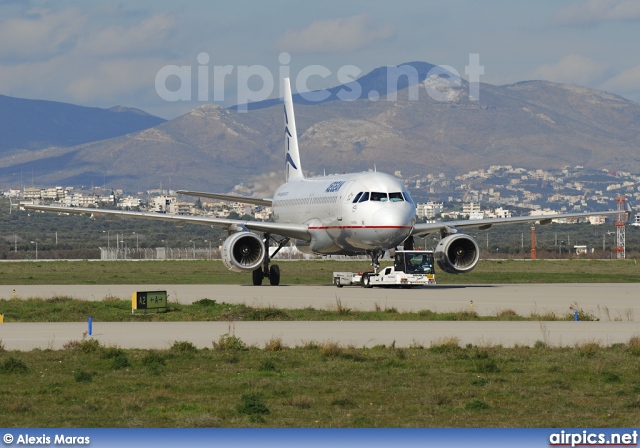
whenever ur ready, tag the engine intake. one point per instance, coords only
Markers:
(243, 251)
(457, 254)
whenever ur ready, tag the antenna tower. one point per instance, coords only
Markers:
(534, 255)
(620, 227)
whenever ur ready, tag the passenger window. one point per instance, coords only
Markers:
(396, 197)
(382, 197)
(365, 197)
(357, 197)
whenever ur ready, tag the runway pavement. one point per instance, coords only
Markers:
(616, 305)
(605, 300)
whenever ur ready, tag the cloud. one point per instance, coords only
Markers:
(592, 12)
(625, 81)
(572, 69)
(40, 33)
(149, 35)
(340, 35)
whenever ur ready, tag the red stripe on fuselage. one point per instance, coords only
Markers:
(357, 227)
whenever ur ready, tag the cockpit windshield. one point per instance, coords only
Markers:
(382, 197)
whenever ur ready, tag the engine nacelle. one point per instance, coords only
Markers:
(457, 254)
(243, 251)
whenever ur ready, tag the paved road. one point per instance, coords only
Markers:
(161, 335)
(615, 304)
(604, 300)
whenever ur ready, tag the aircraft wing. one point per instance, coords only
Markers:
(228, 197)
(297, 231)
(422, 229)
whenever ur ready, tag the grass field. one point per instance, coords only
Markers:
(304, 272)
(65, 309)
(322, 385)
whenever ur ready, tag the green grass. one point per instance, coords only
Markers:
(66, 309)
(321, 385)
(313, 272)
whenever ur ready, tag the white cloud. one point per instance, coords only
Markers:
(40, 33)
(591, 12)
(572, 69)
(625, 81)
(141, 38)
(334, 36)
(77, 57)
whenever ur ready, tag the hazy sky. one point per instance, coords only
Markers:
(109, 53)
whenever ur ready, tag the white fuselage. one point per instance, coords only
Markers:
(347, 213)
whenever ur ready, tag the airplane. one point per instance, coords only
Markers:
(344, 214)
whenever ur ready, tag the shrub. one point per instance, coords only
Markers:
(13, 365)
(330, 349)
(487, 365)
(205, 302)
(268, 365)
(476, 405)
(89, 346)
(633, 346)
(445, 345)
(112, 352)
(120, 361)
(82, 376)
(588, 349)
(184, 347)
(252, 405)
(230, 343)
(343, 402)
(153, 357)
(610, 377)
(274, 345)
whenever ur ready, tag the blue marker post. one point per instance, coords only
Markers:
(576, 317)
(90, 325)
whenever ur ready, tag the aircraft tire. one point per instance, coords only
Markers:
(257, 277)
(366, 281)
(274, 275)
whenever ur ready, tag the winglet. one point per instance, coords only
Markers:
(293, 168)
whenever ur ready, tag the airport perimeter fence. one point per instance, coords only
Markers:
(190, 253)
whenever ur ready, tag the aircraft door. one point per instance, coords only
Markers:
(345, 196)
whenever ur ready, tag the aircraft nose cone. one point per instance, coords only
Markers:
(393, 224)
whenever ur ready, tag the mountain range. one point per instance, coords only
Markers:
(533, 124)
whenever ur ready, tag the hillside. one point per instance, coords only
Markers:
(34, 124)
(532, 124)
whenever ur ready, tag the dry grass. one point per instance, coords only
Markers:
(326, 385)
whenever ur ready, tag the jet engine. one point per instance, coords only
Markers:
(243, 251)
(457, 254)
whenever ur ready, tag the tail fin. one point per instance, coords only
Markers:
(293, 169)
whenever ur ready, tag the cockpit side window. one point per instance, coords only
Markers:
(364, 197)
(381, 197)
(396, 197)
(357, 197)
(407, 197)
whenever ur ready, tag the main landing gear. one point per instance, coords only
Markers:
(273, 272)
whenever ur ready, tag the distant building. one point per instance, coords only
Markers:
(430, 210)
(470, 208)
